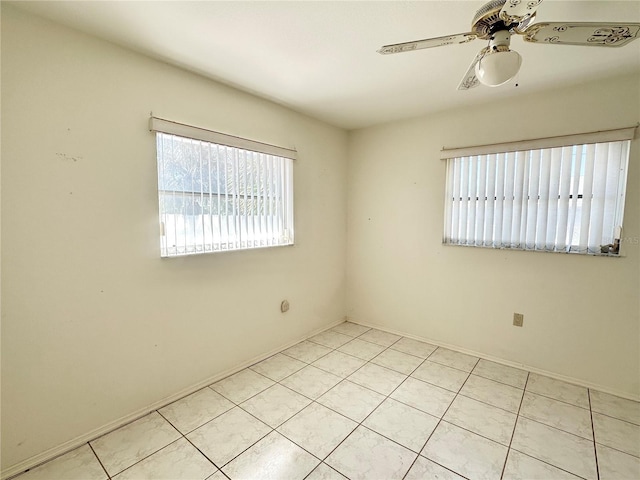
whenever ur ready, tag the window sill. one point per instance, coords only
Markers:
(514, 249)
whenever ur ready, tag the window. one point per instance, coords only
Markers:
(219, 193)
(552, 195)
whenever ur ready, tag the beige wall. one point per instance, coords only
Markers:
(94, 324)
(581, 313)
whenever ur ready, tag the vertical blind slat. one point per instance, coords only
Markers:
(506, 235)
(491, 201)
(516, 206)
(599, 194)
(482, 199)
(498, 218)
(587, 193)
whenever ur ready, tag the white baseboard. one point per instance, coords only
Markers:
(565, 378)
(66, 447)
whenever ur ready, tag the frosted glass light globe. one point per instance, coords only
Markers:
(497, 68)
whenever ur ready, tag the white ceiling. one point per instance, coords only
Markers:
(320, 57)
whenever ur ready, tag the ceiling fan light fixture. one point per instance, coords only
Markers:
(497, 68)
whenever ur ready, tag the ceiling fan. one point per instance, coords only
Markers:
(497, 20)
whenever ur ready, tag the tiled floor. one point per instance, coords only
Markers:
(365, 404)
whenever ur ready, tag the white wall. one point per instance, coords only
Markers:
(581, 313)
(94, 324)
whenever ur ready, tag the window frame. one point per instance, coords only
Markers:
(257, 185)
(524, 150)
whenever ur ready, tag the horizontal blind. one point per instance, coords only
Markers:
(562, 199)
(215, 197)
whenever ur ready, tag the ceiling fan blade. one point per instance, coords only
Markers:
(428, 43)
(517, 11)
(470, 80)
(583, 33)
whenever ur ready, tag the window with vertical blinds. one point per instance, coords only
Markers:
(565, 198)
(222, 196)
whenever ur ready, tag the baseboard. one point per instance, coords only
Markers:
(66, 447)
(508, 363)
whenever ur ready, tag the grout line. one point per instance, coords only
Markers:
(618, 450)
(593, 432)
(326, 465)
(547, 463)
(506, 458)
(559, 400)
(501, 383)
(99, 461)
(616, 418)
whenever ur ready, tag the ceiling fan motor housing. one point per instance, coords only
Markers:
(487, 20)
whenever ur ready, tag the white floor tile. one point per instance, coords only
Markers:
(78, 464)
(523, 467)
(615, 407)
(494, 393)
(563, 450)
(615, 465)
(307, 352)
(614, 433)
(465, 453)
(441, 375)
(414, 347)
(274, 457)
(403, 424)
(325, 472)
(425, 469)
(379, 337)
(557, 414)
(398, 361)
(331, 339)
(361, 349)
(339, 364)
(501, 373)
(317, 429)
(478, 417)
(275, 405)
(351, 400)
(177, 461)
(228, 435)
(423, 396)
(242, 385)
(559, 390)
(311, 381)
(458, 360)
(366, 455)
(196, 409)
(278, 367)
(129, 444)
(377, 378)
(351, 329)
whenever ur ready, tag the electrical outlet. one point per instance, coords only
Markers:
(518, 319)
